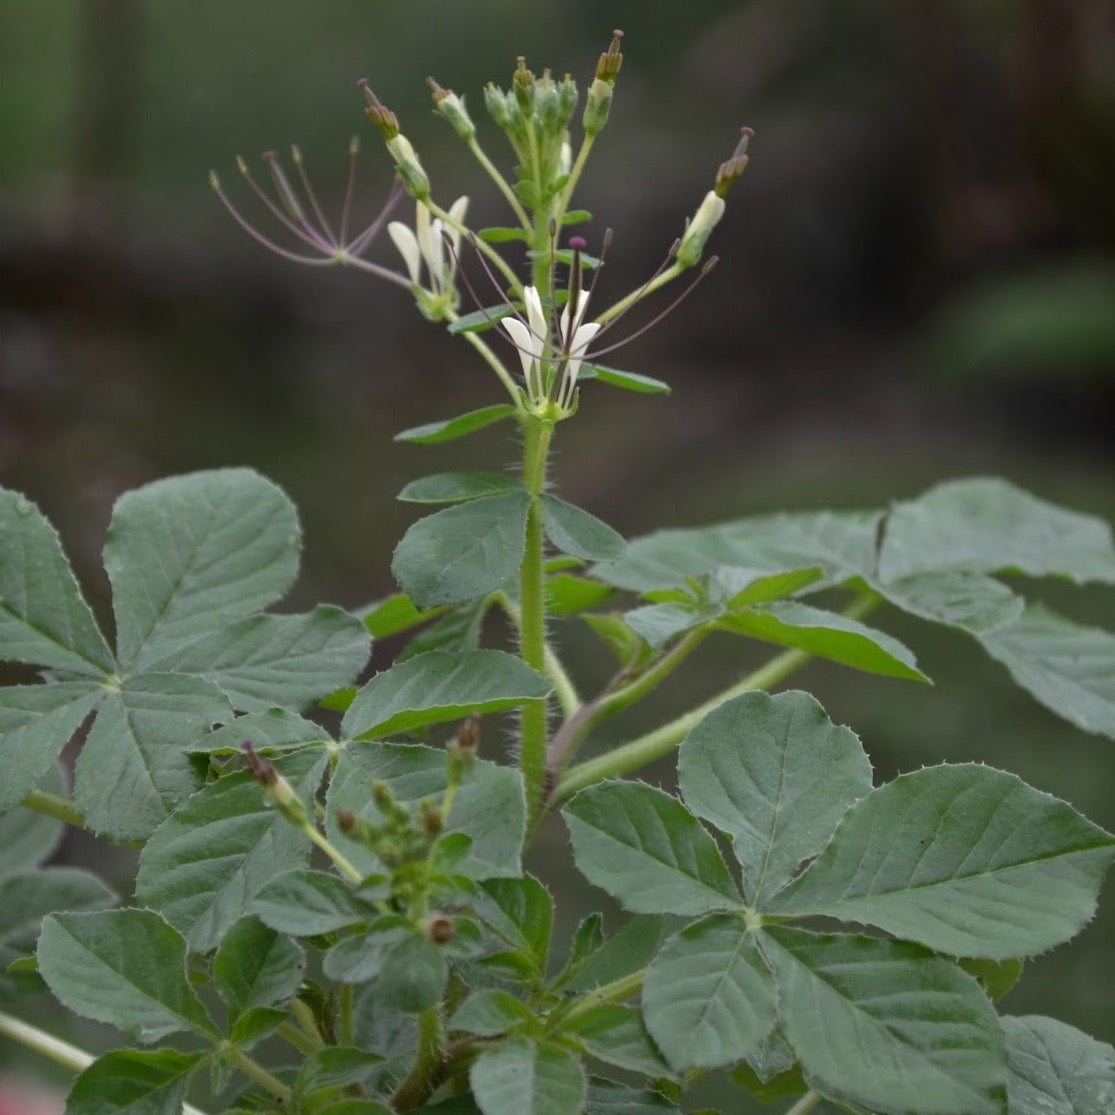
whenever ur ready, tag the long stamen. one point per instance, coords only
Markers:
(363, 239)
(296, 158)
(303, 234)
(573, 306)
(350, 186)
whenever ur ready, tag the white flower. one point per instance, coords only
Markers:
(576, 337)
(426, 244)
(530, 338)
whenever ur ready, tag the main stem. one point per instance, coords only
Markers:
(532, 758)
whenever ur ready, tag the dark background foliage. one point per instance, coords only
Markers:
(917, 281)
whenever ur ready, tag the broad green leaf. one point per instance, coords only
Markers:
(256, 967)
(489, 807)
(524, 1077)
(709, 997)
(36, 722)
(828, 635)
(305, 903)
(587, 940)
(973, 602)
(458, 487)
(489, 1013)
(135, 1082)
(624, 952)
(1068, 668)
(462, 552)
(44, 619)
(841, 543)
(1054, 1069)
(413, 975)
(576, 217)
(124, 967)
(984, 524)
(647, 850)
(574, 531)
(629, 381)
(566, 594)
(659, 623)
(255, 1024)
(966, 859)
(332, 1068)
(457, 631)
(396, 613)
(381, 1029)
(605, 1097)
(440, 686)
(522, 912)
(204, 865)
(28, 837)
(886, 1025)
(134, 768)
(274, 729)
(616, 1034)
(359, 956)
(267, 660)
(28, 896)
(194, 552)
(431, 433)
(776, 775)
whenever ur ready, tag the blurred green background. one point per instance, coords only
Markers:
(917, 281)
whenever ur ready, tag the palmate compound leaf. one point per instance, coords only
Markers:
(464, 551)
(776, 775)
(124, 967)
(193, 552)
(138, 1082)
(886, 1025)
(521, 1076)
(965, 859)
(44, 621)
(647, 850)
(709, 998)
(1054, 1069)
(438, 686)
(203, 866)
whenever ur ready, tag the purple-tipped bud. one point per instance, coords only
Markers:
(608, 67)
(734, 166)
(378, 113)
(449, 105)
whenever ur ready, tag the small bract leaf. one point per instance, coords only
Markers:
(709, 997)
(447, 430)
(886, 1025)
(966, 859)
(458, 487)
(440, 686)
(647, 850)
(124, 967)
(524, 1077)
(193, 552)
(1054, 1069)
(574, 531)
(139, 1082)
(776, 775)
(463, 552)
(984, 524)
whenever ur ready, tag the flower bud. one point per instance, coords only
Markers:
(432, 820)
(378, 113)
(598, 104)
(440, 931)
(567, 95)
(453, 109)
(608, 67)
(410, 169)
(496, 104)
(276, 787)
(462, 750)
(697, 231)
(522, 85)
(733, 167)
(547, 104)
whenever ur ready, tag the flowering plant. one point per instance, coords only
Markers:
(331, 914)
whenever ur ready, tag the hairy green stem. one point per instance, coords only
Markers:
(298, 1038)
(51, 805)
(253, 1069)
(429, 1065)
(805, 1104)
(338, 857)
(532, 598)
(574, 177)
(502, 184)
(564, 689)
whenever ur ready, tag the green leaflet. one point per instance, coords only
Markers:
(521, 1076)
(431, 433)
(574, 531)
(1054, 1069)
(458, 487)
(143, 1082)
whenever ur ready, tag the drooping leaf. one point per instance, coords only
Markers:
(520, 1076)
(193, 552)
(646, 850)
(440, 686)
(134, 1082)
(886, 1025)
(458, 487)
(1054, 1069)
(256, 966)
(966, 859)
(709, 997)
(827, 634)
(489, 807)
(124, 967)
(431, 433)
(464, 551)
(973, 602)
(134, 768)
(984, 524)
(776, 775)
(1068, 668)
(616, 1034)
(574, 531)
(267, 660)
(306, 903)
(36, 722)
(44, 620)
(204, 865)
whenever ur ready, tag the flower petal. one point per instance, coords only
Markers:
(407, 243)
